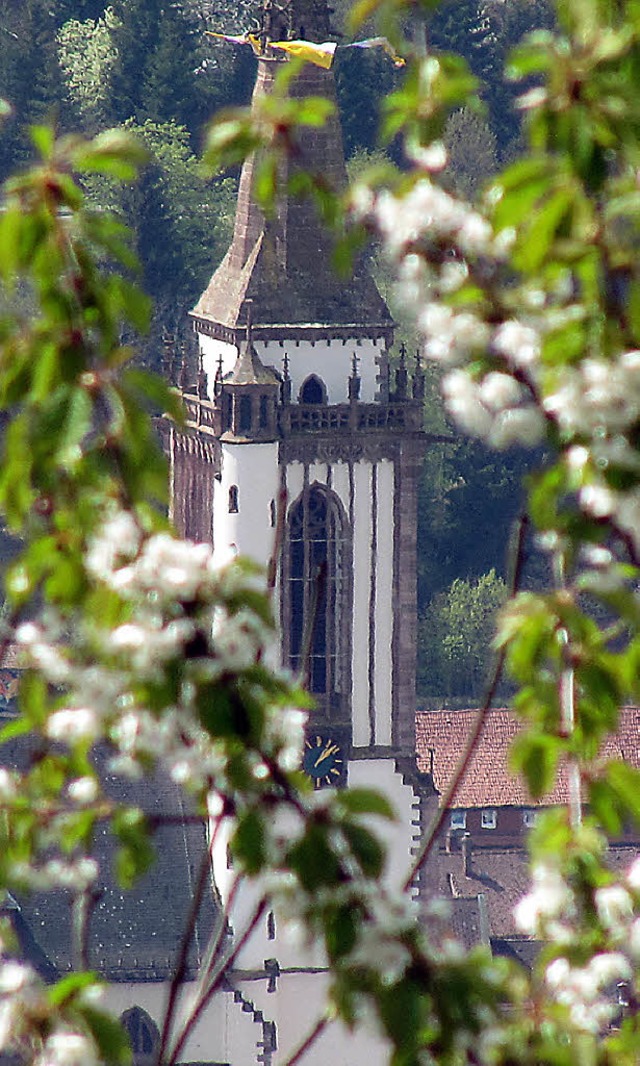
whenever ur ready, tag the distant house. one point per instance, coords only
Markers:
(481, 850)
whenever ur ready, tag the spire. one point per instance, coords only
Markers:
(283, 263)
(296, 19)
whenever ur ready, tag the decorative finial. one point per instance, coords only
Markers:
(217, 381)
(354, 380)
(202, 385)
(418, 378)
(182, 377)
(249, 306)
(401, 375)
(285, 390)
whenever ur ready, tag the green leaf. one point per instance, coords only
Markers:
(68, 988)
(110, 1037)
(117, 153)
(248, 842)
(366, 801)
(536, 757)
(366, 849)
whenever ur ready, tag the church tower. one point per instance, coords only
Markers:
(299, 432)
(306, 414)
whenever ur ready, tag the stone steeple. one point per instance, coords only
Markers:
(283, 263)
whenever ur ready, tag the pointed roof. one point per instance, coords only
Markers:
(249, 368)
(283, 263)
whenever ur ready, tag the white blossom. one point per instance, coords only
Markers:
(549, 903)
(73, 724)
(583, 990)
(83, 790)
(63, 1048)
(615, 908)
(519, 344)
(118, 539)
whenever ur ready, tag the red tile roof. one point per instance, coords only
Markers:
(488, 782)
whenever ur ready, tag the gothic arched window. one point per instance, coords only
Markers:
(233, 499)
(315, 612)
(143, 1035)
(313, 390)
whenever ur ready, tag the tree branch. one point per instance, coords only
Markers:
(476, 732)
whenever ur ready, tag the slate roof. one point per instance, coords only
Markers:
(469, 922)
(488, 782)
(133, 935)
(283, 263)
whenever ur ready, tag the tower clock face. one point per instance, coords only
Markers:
(324, 760)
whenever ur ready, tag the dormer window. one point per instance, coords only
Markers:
(313, 390)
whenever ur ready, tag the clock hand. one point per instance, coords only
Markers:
(329, 750)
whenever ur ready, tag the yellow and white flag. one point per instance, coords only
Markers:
(320, 54)
(379, 42)
(240, 38)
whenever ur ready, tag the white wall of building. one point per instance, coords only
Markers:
(253, 469)
(383, 663)
(361, 599)
(381, 774)
(329, 360)
(212, 1037)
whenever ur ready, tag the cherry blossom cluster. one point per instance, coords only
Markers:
(551, 912)
(28, 1018)
(181, 617)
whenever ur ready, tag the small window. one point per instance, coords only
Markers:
(245, 415)
(233, 499)
(458, 819)
(264, 412)
(272, 514)
(271, 926)
(227, 410)
(313, 390)
(489, 819)
(529, 818)
(143, 1035)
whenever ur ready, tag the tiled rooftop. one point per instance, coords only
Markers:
(488, 782)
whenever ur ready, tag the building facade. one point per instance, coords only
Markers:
(302, 450)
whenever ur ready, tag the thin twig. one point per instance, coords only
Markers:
(318, 586)
(476, 732)
(180, 967)
(216, 982)
(278, 541)
(309, 1041)
(81, 911)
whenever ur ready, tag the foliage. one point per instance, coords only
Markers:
(181, 221)
(455, 637)
(471, 148)
(87, 55)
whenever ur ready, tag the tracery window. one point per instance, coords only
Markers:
(316, 592)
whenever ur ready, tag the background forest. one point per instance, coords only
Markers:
(147, 65)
